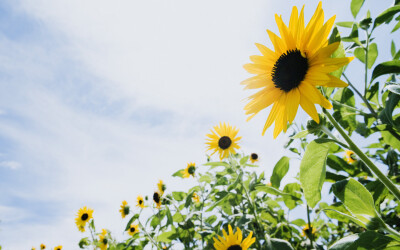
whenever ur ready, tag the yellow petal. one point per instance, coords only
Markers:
(292, 102)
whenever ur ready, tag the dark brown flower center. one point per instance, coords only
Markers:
(224, 142)
(84, 216)
(192, 169)
(235, 247)
(254, 156)
(132, 229)
(156, 197)
(140, 202)
(289, 70)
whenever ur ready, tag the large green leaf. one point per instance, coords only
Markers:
(281, 244)
(386, 16)
(386, 114)
(372, 54)
(366, 240)
(312, 170)
(389, 139)
(292, 200)
(389, 67)
(355, 6)
(280, 170)
(357, 200)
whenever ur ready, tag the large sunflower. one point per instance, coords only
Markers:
(189, 170)
(223, 140)
(133, 229)
(140, 202)
(233, 241)
(124, 209)
(288, 76)
(83, 216)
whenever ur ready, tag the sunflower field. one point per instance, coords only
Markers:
(351, 144)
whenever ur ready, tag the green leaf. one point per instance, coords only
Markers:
(292, 200)
(134, 217)
(170, 220)
(178, 196)
(178, 173)
(389, 139)
(386, 16)
(356, 199)
(217, 164)
(155, 222)
(167, 237)
(312, 170)
(355, 6)
(372, 54)
(345, 24)
(205, 178)
(393, 49)
(390, 67)
(300, 134)
(394, 89)
(298, 222)
(386, 114)
(396, 27)
(281, 244)
(335, 36)
(210, 220)
(269, 190)
(280, 170)
(189, 199)
(365, 240)
(244, 160)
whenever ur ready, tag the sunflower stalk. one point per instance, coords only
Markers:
(310, 235)
(366, 64)
(386, 181)
(148, 235)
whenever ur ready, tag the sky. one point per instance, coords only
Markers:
(101, 99)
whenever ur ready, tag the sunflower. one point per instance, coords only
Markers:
(157, 199)
(58, 247)
(83, 216)
(253, 157)
(233, 241)
(223, 140)
(140, 202)
(288, 76)
(103, 240)
(124, 209)
(42, 246)
(133, 229)
(196, 198)
(350, 157)
(189, 170)
(161, 187)
(33, 248)
(306, 231)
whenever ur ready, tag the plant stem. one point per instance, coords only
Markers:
(386, 181)
(366, 64)
(310, 235)
(201, 209)
(391, 231)
(148, 235)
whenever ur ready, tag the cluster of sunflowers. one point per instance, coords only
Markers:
(43, 246)
(303, 69)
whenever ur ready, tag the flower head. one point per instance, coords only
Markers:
(124, 209)
(233, 241)
(253, 157)
(196, 198)
(103, 240)
(289, 74)
(42, 246)
(307, 231)
(140, 202)
(133, 229)
(189, 170)
(157, 199)
(161, 187)
(58, 247)
(223, 140)
(350, 157)
(83, 216)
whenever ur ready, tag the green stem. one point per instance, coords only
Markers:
(310, 234)
(366, 64)
(386, 181)
(201, 209)
(148, 235)
(391, 231)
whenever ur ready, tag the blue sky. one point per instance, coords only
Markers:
(100, 100)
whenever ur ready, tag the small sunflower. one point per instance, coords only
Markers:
(83, 216)
(161, 187)
(223, 140)
(103, 240)
(233, 241)
(33, 248)
(133, 229)
(58, 247)
(254, 158)
(189, 170)
(140, 202)
(124, 209)
(42, 246)
(350, 157)
(157, 199)
(289, 75)
(196, 198)
(306, 231)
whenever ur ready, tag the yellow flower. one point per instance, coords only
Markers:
(350, 157)
(233, 241)
(140, 202)
(157, 199)
(223, 140)
(42, 246)
(124, 209)
(196, 198)
(133, 229)
(289, 75)
(58, 247)
(189, 170)
(103, 240)
(83, 216)
(161, 187)
(306, 231)
(33, 248)
(253, 157)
